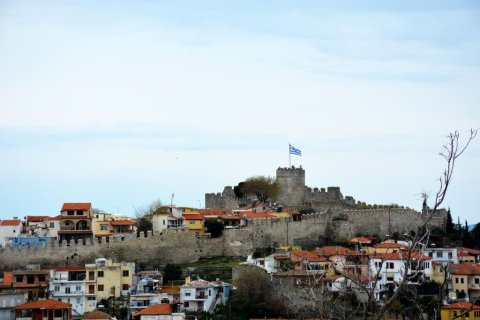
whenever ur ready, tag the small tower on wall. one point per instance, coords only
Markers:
(292, 186)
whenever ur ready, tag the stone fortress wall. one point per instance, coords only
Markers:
(181, 246)
(340, 216)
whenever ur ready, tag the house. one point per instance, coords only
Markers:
(345, 261)
(107, 225)
(170, 293)
(465, 280)
(33, 282)
(311, 262)
(9, 229)
(362, 241)
(272, 263)
(468, 255)
(96, 315)
(159, 312)
(386, 246)
(106, 278)
(194, 223)
(44, 309)
(389, 269)
(76, 222)
(8, 297)
(443, 256)
(144, 290)
(68, 284)
(451, 311)
(202, 295)
(230, 221)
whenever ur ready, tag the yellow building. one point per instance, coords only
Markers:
(465, 279)
(106, 224)
(106, 279)
(453, 310)
(438, 273)
(194, 222)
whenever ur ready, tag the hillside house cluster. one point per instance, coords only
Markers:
(376, 267)
(72, 292)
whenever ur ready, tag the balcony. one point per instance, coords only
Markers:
(74, 229)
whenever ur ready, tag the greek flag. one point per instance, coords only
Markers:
(294, 150)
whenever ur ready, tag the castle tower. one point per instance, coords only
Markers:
(292, 186)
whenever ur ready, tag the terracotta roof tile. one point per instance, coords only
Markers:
(97, 314)
(59, 217)
(229, 217)
(76, 206)
(259, 215)
(400, 256)
(37, 218)
(70, 269)
(44, 304)
(157, 309)
(174, 289)
(466, 268)
(308, 255)
(360, 240)
(462, 305)
(336, 251)
(391, 245)
(10, 222)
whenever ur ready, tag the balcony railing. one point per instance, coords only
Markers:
(74, 229)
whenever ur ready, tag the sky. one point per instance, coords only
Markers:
(121, 103)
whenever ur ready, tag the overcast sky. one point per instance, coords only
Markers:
(120, 103)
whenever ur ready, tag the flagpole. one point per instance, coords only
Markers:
(289, 157)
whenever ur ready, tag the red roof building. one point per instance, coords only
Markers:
(155, 310)
(76, 222)
(44, 309)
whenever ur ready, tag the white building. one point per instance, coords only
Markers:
(9, 229)
(67, 284)
(202, 295)
(389, 268)
(444, 256)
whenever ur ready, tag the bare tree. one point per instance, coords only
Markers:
(264, 188)
(412, 258)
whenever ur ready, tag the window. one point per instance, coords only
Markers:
(209, 292)
(100, 287)
(91, 275)
(104, 227)
(430, 254)
(57, 288)
(389, 278)
(79, 213)
(78, 288)
(378, 264)
(41, 278)
(100, 274)
(390, 265)
(125, 286)
(91, 288)
(477, 280)
(79, 300)
(461, 280)
(67, 290)
(163, 222)
(70, 212)
(52, 225)
(450, 255)
(126, 273)
(19, 279)
(191, 222)
(456, 280)
(439, 254)
(186, 304)
(476, 313)
(188, 293)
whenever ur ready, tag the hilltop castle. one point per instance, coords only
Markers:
(293, 194)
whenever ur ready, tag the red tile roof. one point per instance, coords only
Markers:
(97, 314)
(192, 216)
(462, 251)
(391, 245)
(466, 268)
(462, 305)
(400, 256)
(59, 217)
(156, 309)
(336, 251)
(76, 206)
(36, 218)
(308, 255)
(360, 240)
(10, 222)
(44, 304)
(70, 269)
(122, 223)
